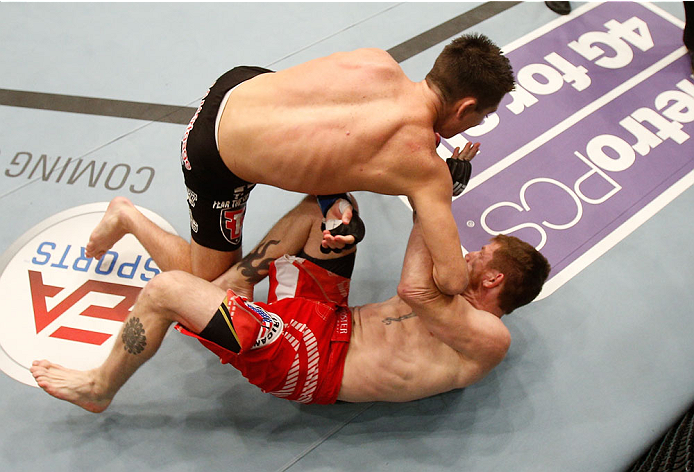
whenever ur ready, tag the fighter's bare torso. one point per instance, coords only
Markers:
(348, 121)
(393, 357)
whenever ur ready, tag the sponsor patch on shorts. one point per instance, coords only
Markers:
(271, 326)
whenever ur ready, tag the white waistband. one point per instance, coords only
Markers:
(219, 115)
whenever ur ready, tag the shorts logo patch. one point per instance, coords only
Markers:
(231, 224)
(231, 213)
(271, 326)
(343, 328)
(269, 332)
(192, 198)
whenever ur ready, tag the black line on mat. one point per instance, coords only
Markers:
(181, 115)
(446, 30)
(97, 106)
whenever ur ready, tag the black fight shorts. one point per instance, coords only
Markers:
(216, 197)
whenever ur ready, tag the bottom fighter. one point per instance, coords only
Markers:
(306, 344)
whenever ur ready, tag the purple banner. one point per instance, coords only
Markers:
(598, 128)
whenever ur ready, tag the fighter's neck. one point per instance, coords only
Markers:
(480, 302)
(434, 99)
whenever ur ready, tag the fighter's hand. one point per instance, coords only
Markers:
(460, 167)
(342, 228)
(468, 152)
(337, 243)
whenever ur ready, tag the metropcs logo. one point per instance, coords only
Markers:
(57, 304)
(594, 140)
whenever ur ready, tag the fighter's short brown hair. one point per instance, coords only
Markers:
(472, 66)
(525, 271)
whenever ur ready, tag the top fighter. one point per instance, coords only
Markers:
(348, 121)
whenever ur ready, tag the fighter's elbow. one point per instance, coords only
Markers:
(416, 295)
(451, 283)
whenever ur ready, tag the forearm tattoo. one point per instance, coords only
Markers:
(256, 273)
(134, 339)
(389, 320)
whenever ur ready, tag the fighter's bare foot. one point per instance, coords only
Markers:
(75, 386)
(111, 228)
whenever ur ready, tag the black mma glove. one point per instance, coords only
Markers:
(461, 170)
(355, 227)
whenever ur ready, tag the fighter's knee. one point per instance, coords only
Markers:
(309, 207)
(160, 290)
(309, 200)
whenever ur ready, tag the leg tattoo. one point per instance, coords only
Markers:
(256, 273)
(134, 339)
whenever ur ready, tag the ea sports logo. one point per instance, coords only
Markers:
(57, 304)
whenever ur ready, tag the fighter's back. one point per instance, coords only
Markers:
(337, 123)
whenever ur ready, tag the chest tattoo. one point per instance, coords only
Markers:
(389, 320)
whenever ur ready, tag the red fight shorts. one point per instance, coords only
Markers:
(304, 334)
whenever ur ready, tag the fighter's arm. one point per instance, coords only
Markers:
(433, 195)
(430, 197)
(477, 335)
